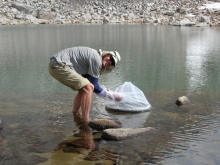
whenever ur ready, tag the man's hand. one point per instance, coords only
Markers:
(117, 97)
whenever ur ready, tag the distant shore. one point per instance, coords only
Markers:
(162, 12)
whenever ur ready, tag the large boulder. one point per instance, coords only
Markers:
(27, 9)
(85, 18)
(34, 20)
(186, 22)
(205, 19)
(126, 133)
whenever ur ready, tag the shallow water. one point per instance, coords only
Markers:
(164, 62)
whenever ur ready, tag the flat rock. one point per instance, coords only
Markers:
(102, 124)
(126, 133)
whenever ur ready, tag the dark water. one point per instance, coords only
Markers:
(164, 62)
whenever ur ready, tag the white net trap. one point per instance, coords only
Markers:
(133, 99)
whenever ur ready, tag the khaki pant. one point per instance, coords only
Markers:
(67, 75)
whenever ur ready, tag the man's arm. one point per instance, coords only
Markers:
(97, 89)
(102, 92)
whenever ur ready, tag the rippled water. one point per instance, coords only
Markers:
(164, 62)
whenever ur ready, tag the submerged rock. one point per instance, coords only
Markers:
(183, 100)
(102, 124)
(126, 133)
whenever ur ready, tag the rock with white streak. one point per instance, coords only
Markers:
(126, 133)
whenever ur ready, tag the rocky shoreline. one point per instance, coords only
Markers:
(164, 12)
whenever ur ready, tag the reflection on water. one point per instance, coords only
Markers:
(199, 60)
(164, 62)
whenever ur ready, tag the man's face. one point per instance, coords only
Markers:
(106, 61)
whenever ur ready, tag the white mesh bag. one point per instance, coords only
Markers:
(133, 99)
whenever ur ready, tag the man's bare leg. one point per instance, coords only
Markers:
(86, 101)
(77, 102)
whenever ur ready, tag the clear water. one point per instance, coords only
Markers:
(165, 62)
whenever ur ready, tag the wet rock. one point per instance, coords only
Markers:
(126, 133)
(102, 124)
(69, 149)
(17, 156)
(108, 157)
(82, 151)
(91, 158)
(183, 100)
(79, 146)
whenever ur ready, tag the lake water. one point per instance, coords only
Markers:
(165, 62)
